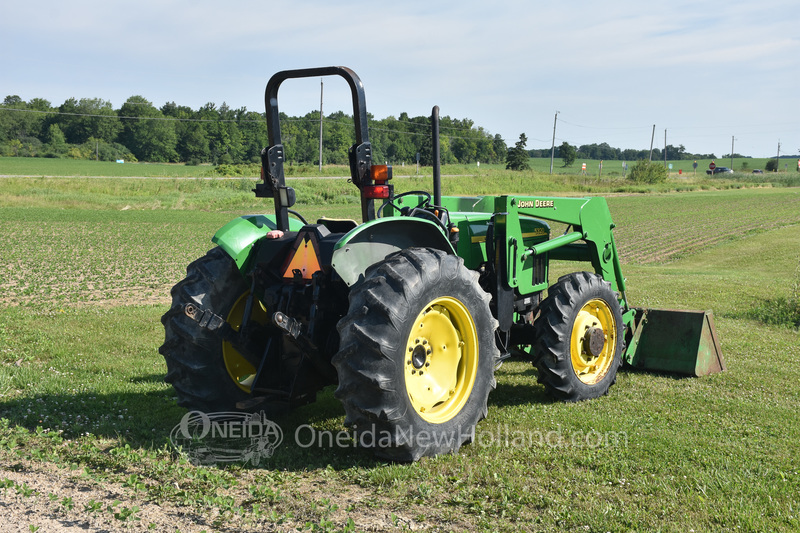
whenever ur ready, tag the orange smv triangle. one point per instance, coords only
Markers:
(305, 260)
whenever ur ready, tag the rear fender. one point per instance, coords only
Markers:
(371, 242)
(238, 236)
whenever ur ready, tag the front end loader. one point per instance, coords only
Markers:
(409, 312)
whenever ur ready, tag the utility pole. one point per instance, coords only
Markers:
(320, 125)
(553, 147)
(652, 138)
(731, 152)
(665, 148)
(778, 158)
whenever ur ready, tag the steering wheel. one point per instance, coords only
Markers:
(405, 211)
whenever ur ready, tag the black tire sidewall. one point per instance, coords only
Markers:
(194, 357)
(372, 375)
(462, 425)
(554, 332)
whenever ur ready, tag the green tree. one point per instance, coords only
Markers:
(225, 138)
(56, 141)
(337, 137)
(465, 149)
(567, 153)
(399, 146)
(88, 118)
(192, 144)
(23, 121)
(517, 158)
(146, 133)
(500, 148)
(674, 153)
(254, 135)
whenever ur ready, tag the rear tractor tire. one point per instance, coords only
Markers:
(417, 355)
(579, 338)
(207, 373)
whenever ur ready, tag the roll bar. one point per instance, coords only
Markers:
(272, 157)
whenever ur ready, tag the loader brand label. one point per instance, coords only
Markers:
(536, 203)
(228, 437)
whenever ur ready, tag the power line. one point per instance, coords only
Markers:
(124, 117)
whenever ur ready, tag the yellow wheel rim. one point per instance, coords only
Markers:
(441, 360)
(239, 369)
(593, 343)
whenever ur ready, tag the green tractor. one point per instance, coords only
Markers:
(410, 312)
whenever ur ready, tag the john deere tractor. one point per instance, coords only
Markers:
(410, 312)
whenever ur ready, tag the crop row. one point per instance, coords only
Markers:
(124, 257)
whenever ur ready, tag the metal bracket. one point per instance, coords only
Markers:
(204, 317)
(214, 323)
(287, 324)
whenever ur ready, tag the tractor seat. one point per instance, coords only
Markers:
(338, 225)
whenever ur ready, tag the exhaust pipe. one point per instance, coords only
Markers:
(437, 165)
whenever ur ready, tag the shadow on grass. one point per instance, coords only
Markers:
(517, 385)
(146, 420)
(141, 419)
(313, 436)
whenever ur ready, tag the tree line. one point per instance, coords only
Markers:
(90, 128)
(603, 151)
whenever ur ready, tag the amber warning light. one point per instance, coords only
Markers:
(380, 174)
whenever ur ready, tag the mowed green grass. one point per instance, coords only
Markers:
(31, 166)
(84, 282)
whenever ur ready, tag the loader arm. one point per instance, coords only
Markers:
(589, 220)
(658, 339)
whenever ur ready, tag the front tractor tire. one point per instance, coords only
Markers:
(579, 338)
(207, 373)
(417, 355)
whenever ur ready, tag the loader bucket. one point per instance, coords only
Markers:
(681, 342)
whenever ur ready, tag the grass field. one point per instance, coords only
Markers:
(87, 269)
(29, 166)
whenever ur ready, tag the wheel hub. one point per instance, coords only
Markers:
(420, 353)
(594, 341)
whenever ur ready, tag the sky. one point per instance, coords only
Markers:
(704, 73)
